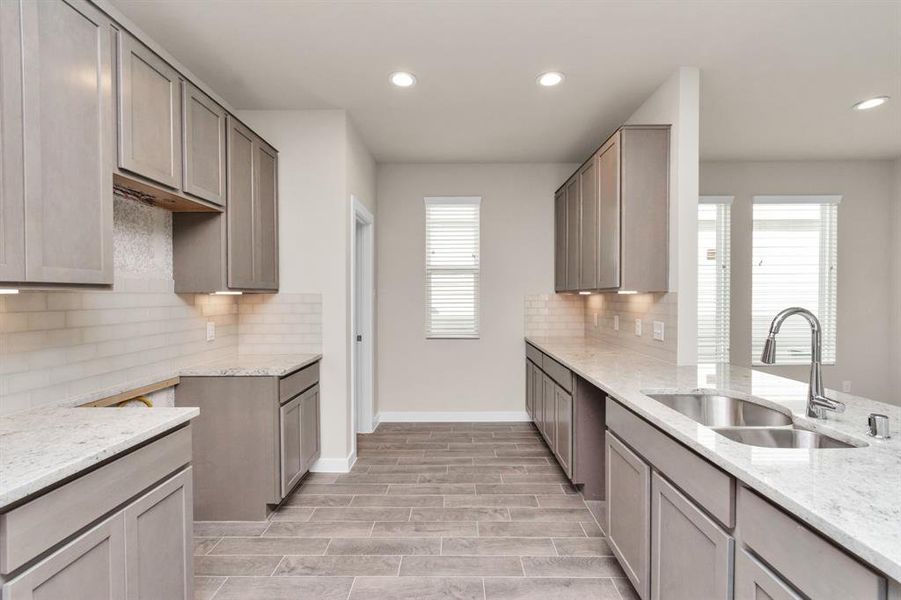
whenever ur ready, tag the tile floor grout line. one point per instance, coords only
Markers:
(215, 593)
(281, 560)
(351, 589)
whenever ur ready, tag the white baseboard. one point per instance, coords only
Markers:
(458, 417)
(334, 465)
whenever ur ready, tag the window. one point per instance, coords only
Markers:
(714, 226)
(794, 264)
(452, 267)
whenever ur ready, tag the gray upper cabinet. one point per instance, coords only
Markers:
(56, 205)
(608, 214)
(573, 234)
(265, 217)
(204, 146)
(629, 513)
(616, 217)
(241, 212)
(589, 229)
(691, 557)
(149, 114)
(12, 186)
(560, 252)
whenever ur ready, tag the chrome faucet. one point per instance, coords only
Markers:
(817, 402)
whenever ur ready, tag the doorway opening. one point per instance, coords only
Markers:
(362, 293)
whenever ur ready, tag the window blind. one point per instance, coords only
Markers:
(795, 259)
(452, 267)
(714, 274)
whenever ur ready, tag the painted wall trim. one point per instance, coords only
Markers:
(335, 465)
(452, 417)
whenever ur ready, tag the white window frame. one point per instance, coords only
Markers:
(714, 331)
(464, 328)
(793, 343)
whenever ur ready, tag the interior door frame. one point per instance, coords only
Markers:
(363, 405)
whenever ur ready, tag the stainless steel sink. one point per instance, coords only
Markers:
(780, 437)
(717, 410)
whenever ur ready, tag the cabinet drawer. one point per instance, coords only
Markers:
(295, 383)
(558, 373)
(533, 354)
(807, 561)
(30, 529)
(713, 489)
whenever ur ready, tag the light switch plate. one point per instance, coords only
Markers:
(658, 331)
(637, 326)
(846, 386)
(616, 322)
(210, 331)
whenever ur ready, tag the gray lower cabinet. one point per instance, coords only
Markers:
(754, 581)
(563, 426)
(149, 114)
(107, 535)
(549, 392)
(92, 567)
(629, 512)
(257, 434)
(159, 541)
(56, 204)
(204, 145)
(691, 557)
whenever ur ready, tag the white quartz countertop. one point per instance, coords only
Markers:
(42, 447)
(852, 495)
(252, 365)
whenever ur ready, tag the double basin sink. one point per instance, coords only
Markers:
(746, 422)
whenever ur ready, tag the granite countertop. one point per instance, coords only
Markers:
(852, 496)
(41, 447)
(252, 365)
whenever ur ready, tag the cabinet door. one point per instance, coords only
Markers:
(158, 542)
(290, 452)
(309, 429)
(92, 567)
(753, 581)
(564, 430)
(67, 129)
(265, 217)
(560, 229)
(629, 512)
(204, 146)
(537, 397)
(529, 388)
(691, 557)
(240, 214)
(588, 184)
(609, 214)
(573, 233)
(149, 114)
(12, 190)
(550, 411)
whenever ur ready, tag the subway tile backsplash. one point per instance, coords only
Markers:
(69, 347)
(554, 315)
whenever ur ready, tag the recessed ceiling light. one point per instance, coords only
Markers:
(870, 103)
(403, 79)
(550, 79)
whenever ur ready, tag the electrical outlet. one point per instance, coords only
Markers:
(637, 326)
(658, 331)
(846, 386)
(615, 322)
(594, 316)
(210, 331)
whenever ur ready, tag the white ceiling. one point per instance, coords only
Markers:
(778, 77)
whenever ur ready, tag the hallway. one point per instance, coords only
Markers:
(462, 511)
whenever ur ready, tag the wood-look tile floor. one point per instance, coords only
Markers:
(456, 511)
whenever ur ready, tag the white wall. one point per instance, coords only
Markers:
(677, 102)
(415, 374)
(864, 339)
(321, 163)
(896, 280)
